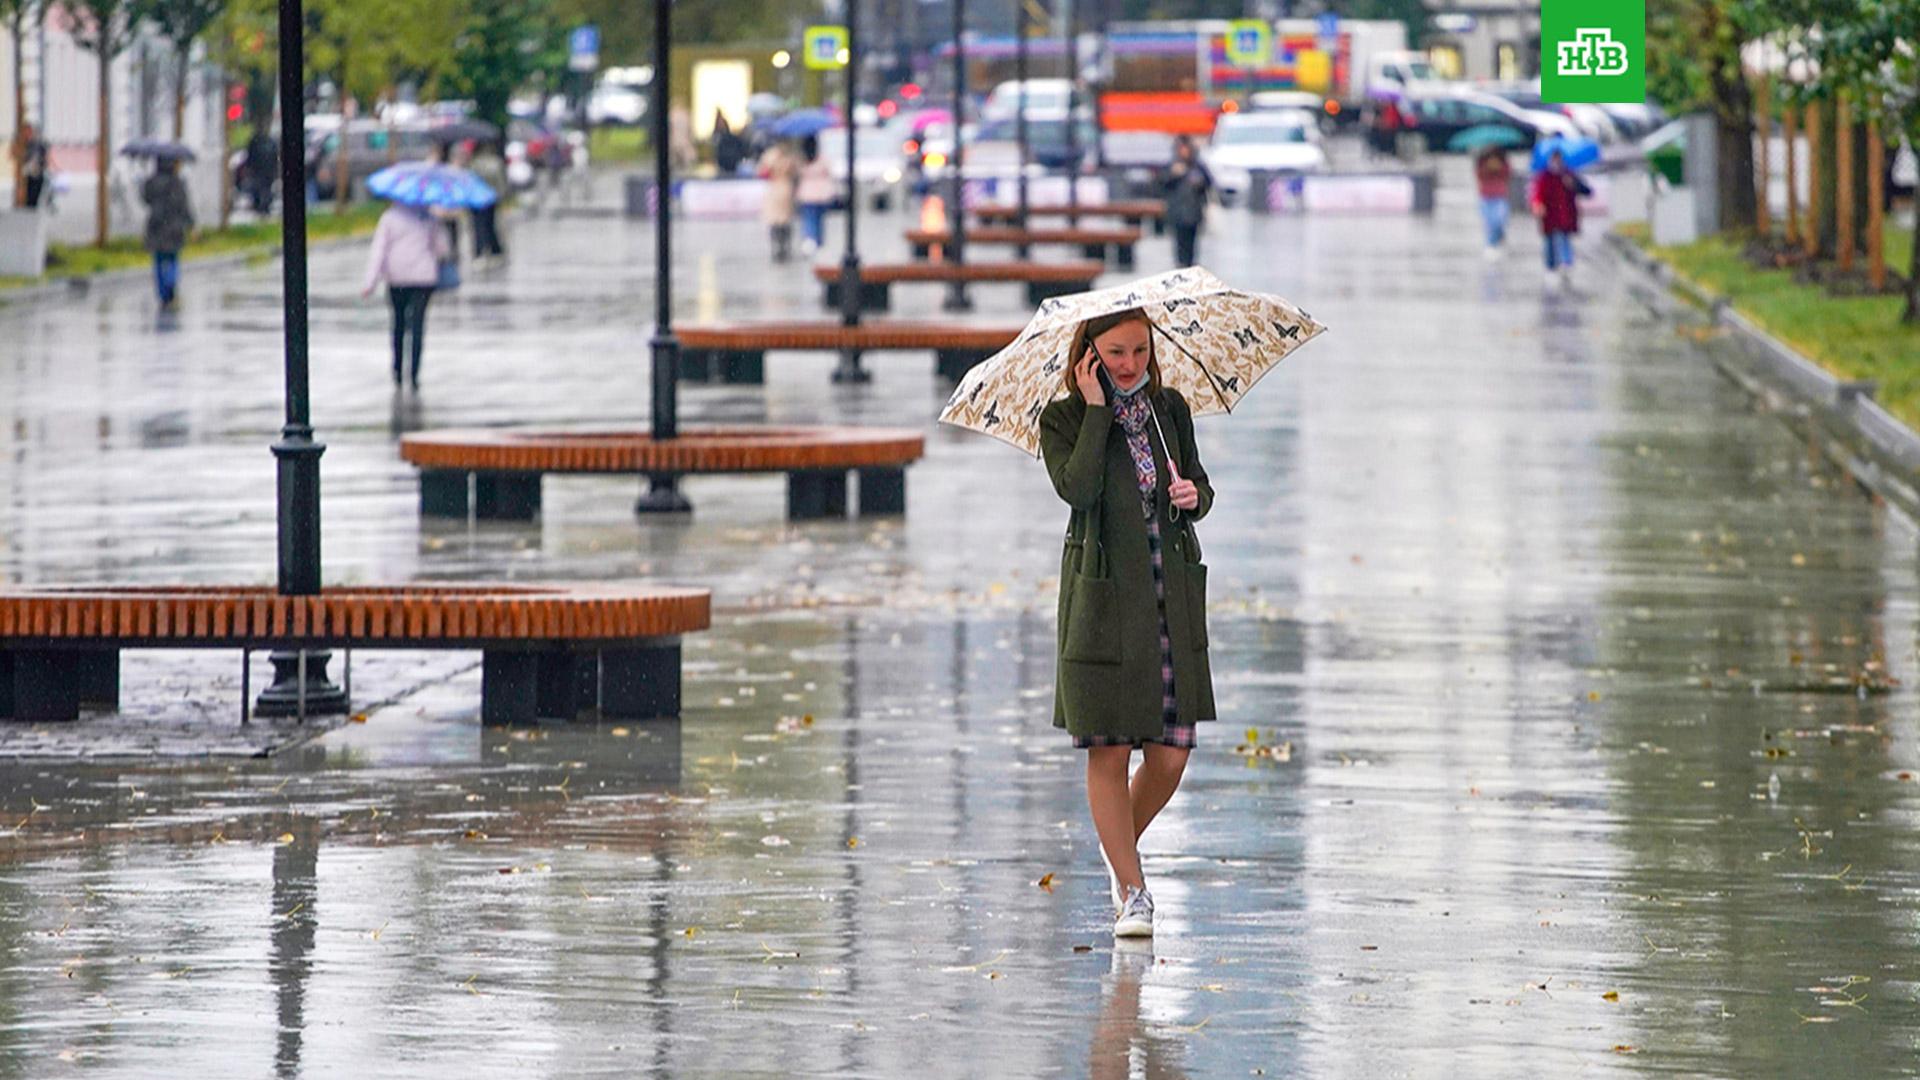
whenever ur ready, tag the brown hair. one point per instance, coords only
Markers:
(1100, 324)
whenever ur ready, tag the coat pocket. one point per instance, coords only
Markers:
(1092, 631)
(1197, 604)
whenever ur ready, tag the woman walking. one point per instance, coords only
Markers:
(169, 220)
(409, 244)
(1553, 195)
(1133, 665)
(1187, 185)
(1494, 175)
(816, 192)
(781, 173)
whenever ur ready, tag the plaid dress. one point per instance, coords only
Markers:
(1135, 415)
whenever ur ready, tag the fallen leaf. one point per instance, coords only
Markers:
(1611, 995)
(284, 838)
(690, 931)
(853, 842)
(1046, 883)
(358, 718)
(1083, 948)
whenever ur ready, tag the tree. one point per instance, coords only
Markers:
(1694, 62)
(15, 13)
(498, 46)
(181, 22)
(364, 44)
(103, 28)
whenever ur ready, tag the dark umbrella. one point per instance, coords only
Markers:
(463, 130)
(157, 149)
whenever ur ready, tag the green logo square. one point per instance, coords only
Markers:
(1593, 51)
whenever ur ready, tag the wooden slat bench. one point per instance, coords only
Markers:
(1134, 212)
(736, 352)
(1094, 243)
(547, 650)
(504, 467)
(1044, 281)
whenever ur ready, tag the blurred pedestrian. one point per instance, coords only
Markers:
(1553, 195)
(169, 220)
(1187, 185)
(30, 152)
(729, 150)
(681, 154)
(1133, 667)
(409, 245)
(262, 168)
(816, 192)
(491, 168)
(1494, 176)
(782, 174)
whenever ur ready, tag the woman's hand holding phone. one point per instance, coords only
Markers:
(1087, 373)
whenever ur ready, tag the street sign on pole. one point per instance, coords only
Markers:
(1329, 26)
(1249, 42)
(583, 48)
(824, 48)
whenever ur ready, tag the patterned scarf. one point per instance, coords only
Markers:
(1134, 414)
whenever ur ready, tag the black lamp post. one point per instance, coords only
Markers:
(957, 299)
(1020, 119)
(1073, 96)
(663, 494)
(299, 676)
(850, 370)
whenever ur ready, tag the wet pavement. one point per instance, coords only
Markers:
(1587, 683)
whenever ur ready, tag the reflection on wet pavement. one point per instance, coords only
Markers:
(1595, 683)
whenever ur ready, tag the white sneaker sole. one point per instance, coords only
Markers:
(1129, 928)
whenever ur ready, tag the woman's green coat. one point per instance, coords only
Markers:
(1109, 635)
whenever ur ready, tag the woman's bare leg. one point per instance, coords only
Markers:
(1154, 782)
(1110, 802)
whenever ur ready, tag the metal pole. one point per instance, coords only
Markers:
(1023, 250)
(850, 370)
(1073, 97)
(663, 494)
(299, 677)
(957, 299)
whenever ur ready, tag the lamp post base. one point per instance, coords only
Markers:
(663, 496)
(289, 696)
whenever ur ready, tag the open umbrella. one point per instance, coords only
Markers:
(1578, 151)
(423, 183)
(1213, 342)
(802, 123)
(1473, 139)
(157, 149)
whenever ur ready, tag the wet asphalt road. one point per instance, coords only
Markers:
(1593, 681)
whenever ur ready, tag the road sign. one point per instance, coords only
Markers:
(583, 48)
(1249, 42)
(1329, 28)
(824, 48)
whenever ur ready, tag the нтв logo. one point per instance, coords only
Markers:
(1593, 52)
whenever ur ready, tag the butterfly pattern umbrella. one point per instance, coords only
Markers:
(1213, 343)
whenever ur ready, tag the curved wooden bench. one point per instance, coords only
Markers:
(1094, 243)
(548, 650)
(1044, 281)
(1134, 212)
(736, 352)
(505, 466)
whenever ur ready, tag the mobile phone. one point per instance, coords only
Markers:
(1100, 372)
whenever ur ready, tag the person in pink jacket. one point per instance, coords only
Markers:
(408, 246)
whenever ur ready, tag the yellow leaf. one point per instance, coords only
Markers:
(691, 931)
(1611, 995)
(285, 838)
(1253, 736)
(1046, 883)
(1593, 695)
(621, 733)
(853, 842)
(359, 718)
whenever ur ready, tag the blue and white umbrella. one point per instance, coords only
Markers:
(424, 183)
(1578, 152)
(802, 123)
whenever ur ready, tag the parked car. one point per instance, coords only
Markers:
(1636, 121)
(1435, 119)
(1279, 100)
(1591, 120)
(876, 161)
(617, 103)
(1046, 99)
(371, 146)
(1285, 141)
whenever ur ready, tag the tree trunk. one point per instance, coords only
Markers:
(226, 140)
(1810, 227)
(1792, 132)
(102, 148)
(19, 110)
(1844, 233)
(1826, 181)
(1763, 180)
(1876, 227)
(1733, 107)
(342, 177)
(185, 57)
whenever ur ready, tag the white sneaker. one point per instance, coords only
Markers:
(1492, 254)
(1136, 915)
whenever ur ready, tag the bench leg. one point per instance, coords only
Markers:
(883, 491)
(506, 496)
(443, 493)
(953, 364)
(1094, 251)
(813, 494)
(876, 296)
(849, 369)
(1159, 225)
(1038, 292)
(509, 688)
(696, 365)
(566, 682)
(743, 368)
(43, 686)
(1123, 256)
(921, 251)
(97, 677)
(642, 683)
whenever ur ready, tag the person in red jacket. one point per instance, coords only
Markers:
(1553, 196)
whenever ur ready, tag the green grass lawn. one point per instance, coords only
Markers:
(1853, 337)
(74, 260)
(616, 145)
